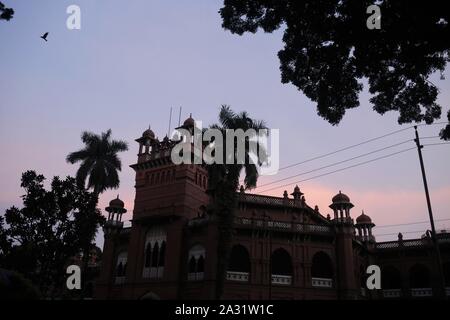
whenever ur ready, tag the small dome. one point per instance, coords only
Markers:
(340, 198)
(189, 122)
(116, 203)
(363, 219)
(148, 134)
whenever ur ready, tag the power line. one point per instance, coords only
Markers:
(358, 144)
(408, 224)
(342, 169)
(435, 144)
(344, 149)
(335, 163)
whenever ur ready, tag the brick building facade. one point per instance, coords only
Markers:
(282, 248)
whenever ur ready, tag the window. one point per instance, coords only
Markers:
(196, 263)
(154, 253)
(239, 266)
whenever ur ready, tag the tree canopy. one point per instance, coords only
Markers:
(328, 51)
(39, 239)
(5, 13)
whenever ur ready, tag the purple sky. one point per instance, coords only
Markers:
(132, 61)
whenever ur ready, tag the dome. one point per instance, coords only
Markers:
(363, 219)
(148, 134)
(189, 122)
(340, 198)
(117, 203)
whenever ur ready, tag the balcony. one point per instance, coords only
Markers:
(421, 292)
(392, 293)
(237, 276)
(153, 272)
(322, 282)
(283, 226)
(196, 276)
(281, 279)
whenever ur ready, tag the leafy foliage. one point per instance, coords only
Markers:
(328, 50)
(52, 227)
(99, 161)
(5, 13)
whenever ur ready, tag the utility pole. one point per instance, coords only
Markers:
(430, 213)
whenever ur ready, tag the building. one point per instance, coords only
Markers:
(282, 248)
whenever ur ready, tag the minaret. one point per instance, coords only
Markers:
(111, 230)
(364, 226)
(346, 281)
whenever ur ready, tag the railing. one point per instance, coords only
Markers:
(322, 282)
(195, 276)
(392, 293)
(237, 276)
(281, 279)
(283, 225)
(153, 272)
(119, 280)
(421, 292)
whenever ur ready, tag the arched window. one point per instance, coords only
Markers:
(419, 276)
(391, 278)
(239, 259)
(162, 254)
(196, 258)
(322, 270)
(447, 273)
(121, 267)
(155, 255)
(155, 252)
(148, 255)
(281, 266)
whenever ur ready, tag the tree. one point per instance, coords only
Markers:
(328, 50)
(99, 167)
(39, 239)
(99, 161)
(5, 13)
(223, 182)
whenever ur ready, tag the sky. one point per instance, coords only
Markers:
(132, 61)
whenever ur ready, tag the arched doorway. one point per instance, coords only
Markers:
(420, 281)
(281, 267)
(239, 265)
(322, 270)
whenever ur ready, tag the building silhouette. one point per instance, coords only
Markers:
(282, 248)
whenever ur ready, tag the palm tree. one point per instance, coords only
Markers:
(99, 167)
(99, 161)
(223, 183)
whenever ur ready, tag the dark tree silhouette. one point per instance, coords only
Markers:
(223, 182)
(99, 166)
(99, 161)
(5, 13)
(39, 239)
(328, 50)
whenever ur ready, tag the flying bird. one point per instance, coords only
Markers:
(44, 36)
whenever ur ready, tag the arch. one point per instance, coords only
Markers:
(446, 268)
(154, 252)
(419, 276)
(162, 254)
(155, 255)
(391, 278)
(281, 262)
(196, 258)
(239, 259)
(322, 266)
(148, 255)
